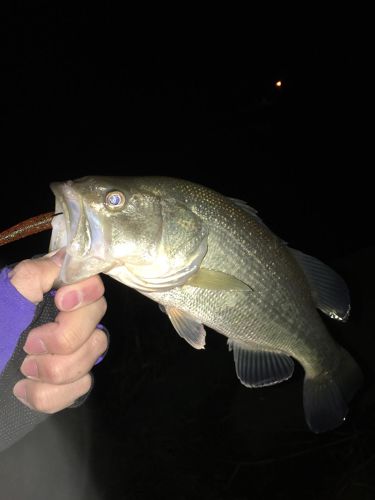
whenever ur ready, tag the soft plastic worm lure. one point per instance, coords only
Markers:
(26, 228)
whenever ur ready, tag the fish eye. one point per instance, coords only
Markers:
(115, 199)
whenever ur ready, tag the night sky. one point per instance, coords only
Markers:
(84, 95)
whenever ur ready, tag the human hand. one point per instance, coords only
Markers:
(60, 354)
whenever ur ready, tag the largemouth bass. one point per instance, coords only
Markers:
(210, 260)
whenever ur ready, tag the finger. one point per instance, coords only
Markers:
(33, 278)
(49, 398)
(59, 370)
(71, 297)
(68, 332)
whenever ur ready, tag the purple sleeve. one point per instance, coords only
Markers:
(16, 313)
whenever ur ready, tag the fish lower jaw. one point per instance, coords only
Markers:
(59, 234)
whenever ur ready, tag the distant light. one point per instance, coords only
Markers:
(278, 84)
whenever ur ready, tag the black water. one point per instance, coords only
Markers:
(165, 421)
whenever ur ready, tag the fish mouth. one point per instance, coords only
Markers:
(78, 229)
(60, 223)
(71, 228)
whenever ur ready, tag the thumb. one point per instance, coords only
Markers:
(34, 277)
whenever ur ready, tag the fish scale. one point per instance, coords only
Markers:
(248, 310)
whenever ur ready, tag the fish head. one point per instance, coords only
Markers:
(121, 227)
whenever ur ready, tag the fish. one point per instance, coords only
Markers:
(209, 260)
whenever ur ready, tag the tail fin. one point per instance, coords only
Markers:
(326, 397)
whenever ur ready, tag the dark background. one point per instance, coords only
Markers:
(84, 94)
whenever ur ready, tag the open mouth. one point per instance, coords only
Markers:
(70, 228)
(78, 228)
(59, 231)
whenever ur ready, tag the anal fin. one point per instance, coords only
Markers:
(256, 367)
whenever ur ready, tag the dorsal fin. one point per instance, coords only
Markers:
(246, 208)
(329, 290)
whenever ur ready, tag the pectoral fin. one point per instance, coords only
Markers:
(217, 280)
(187, 327)
(256, 367)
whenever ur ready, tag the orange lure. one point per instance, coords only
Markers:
(28, 227)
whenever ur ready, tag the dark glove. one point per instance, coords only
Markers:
(16, 419)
